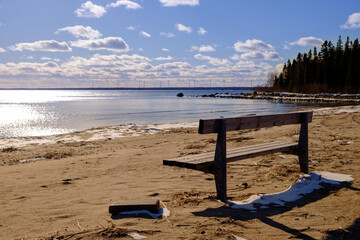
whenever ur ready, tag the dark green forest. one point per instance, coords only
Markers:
(334, 69)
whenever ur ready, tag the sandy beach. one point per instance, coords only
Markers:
(60, 187)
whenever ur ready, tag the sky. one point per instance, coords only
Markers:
(162, 43)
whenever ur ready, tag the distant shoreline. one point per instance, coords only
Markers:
(123, 88)
(293, 97)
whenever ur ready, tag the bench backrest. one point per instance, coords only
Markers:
(257, 121)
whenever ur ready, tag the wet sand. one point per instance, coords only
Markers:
(61, 186)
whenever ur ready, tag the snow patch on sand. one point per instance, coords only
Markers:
(162, 212)
(135, 235)
(305, 184)
(103, 133)
(336, 110)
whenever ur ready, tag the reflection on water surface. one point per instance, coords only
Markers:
(47, 112)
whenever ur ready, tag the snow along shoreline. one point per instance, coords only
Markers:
(131, 130)
(292, 97)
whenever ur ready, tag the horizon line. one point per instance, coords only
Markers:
(133, 88)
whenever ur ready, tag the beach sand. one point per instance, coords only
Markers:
(60, 187)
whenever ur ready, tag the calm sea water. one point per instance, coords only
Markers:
(47, 112)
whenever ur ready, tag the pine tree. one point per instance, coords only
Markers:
(332, 69)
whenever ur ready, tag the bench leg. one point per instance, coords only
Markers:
(219, 167)
(303, 149)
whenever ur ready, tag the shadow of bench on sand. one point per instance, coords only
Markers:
(351, 233)
(264, 214)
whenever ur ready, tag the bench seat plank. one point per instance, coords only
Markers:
(204, 161)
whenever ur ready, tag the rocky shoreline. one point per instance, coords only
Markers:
(292, 97)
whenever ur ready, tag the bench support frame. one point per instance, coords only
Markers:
(219, 166)
(303, 148)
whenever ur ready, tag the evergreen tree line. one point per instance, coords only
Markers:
(335, 69)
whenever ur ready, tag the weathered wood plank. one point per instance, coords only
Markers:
(204, 161)
(303, 152)
(151, 205)
(250, 122)
(219, 169)
(199, 157)
(235, 151)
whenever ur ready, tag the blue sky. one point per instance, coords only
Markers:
(152, 43)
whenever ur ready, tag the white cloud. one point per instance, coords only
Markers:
(108, 66)
(126, 3)
(201, 31)
(145, 34)
(183, 28)
(50, 59)
(286, 47)
(165, 49)
(37, 70)
(81, 31)
(257, 55)
(140, 49)
(353, 22)
(131, 28)
(168, 34)
(47, 45)
(168, 58)
(252, 45)
(30, 57)
(203, 48)
(173, 66)
(308, 41)
(278, 68)
(110, 43)
(1, 24)
(174, 3)
(90, 10)
(212, 60)
(206, 48)
(2, 50)
(101, 60)
(45, 58)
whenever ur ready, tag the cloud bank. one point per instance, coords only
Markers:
(47, 45)
(81, 71)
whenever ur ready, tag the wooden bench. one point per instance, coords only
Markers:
(216, 165)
